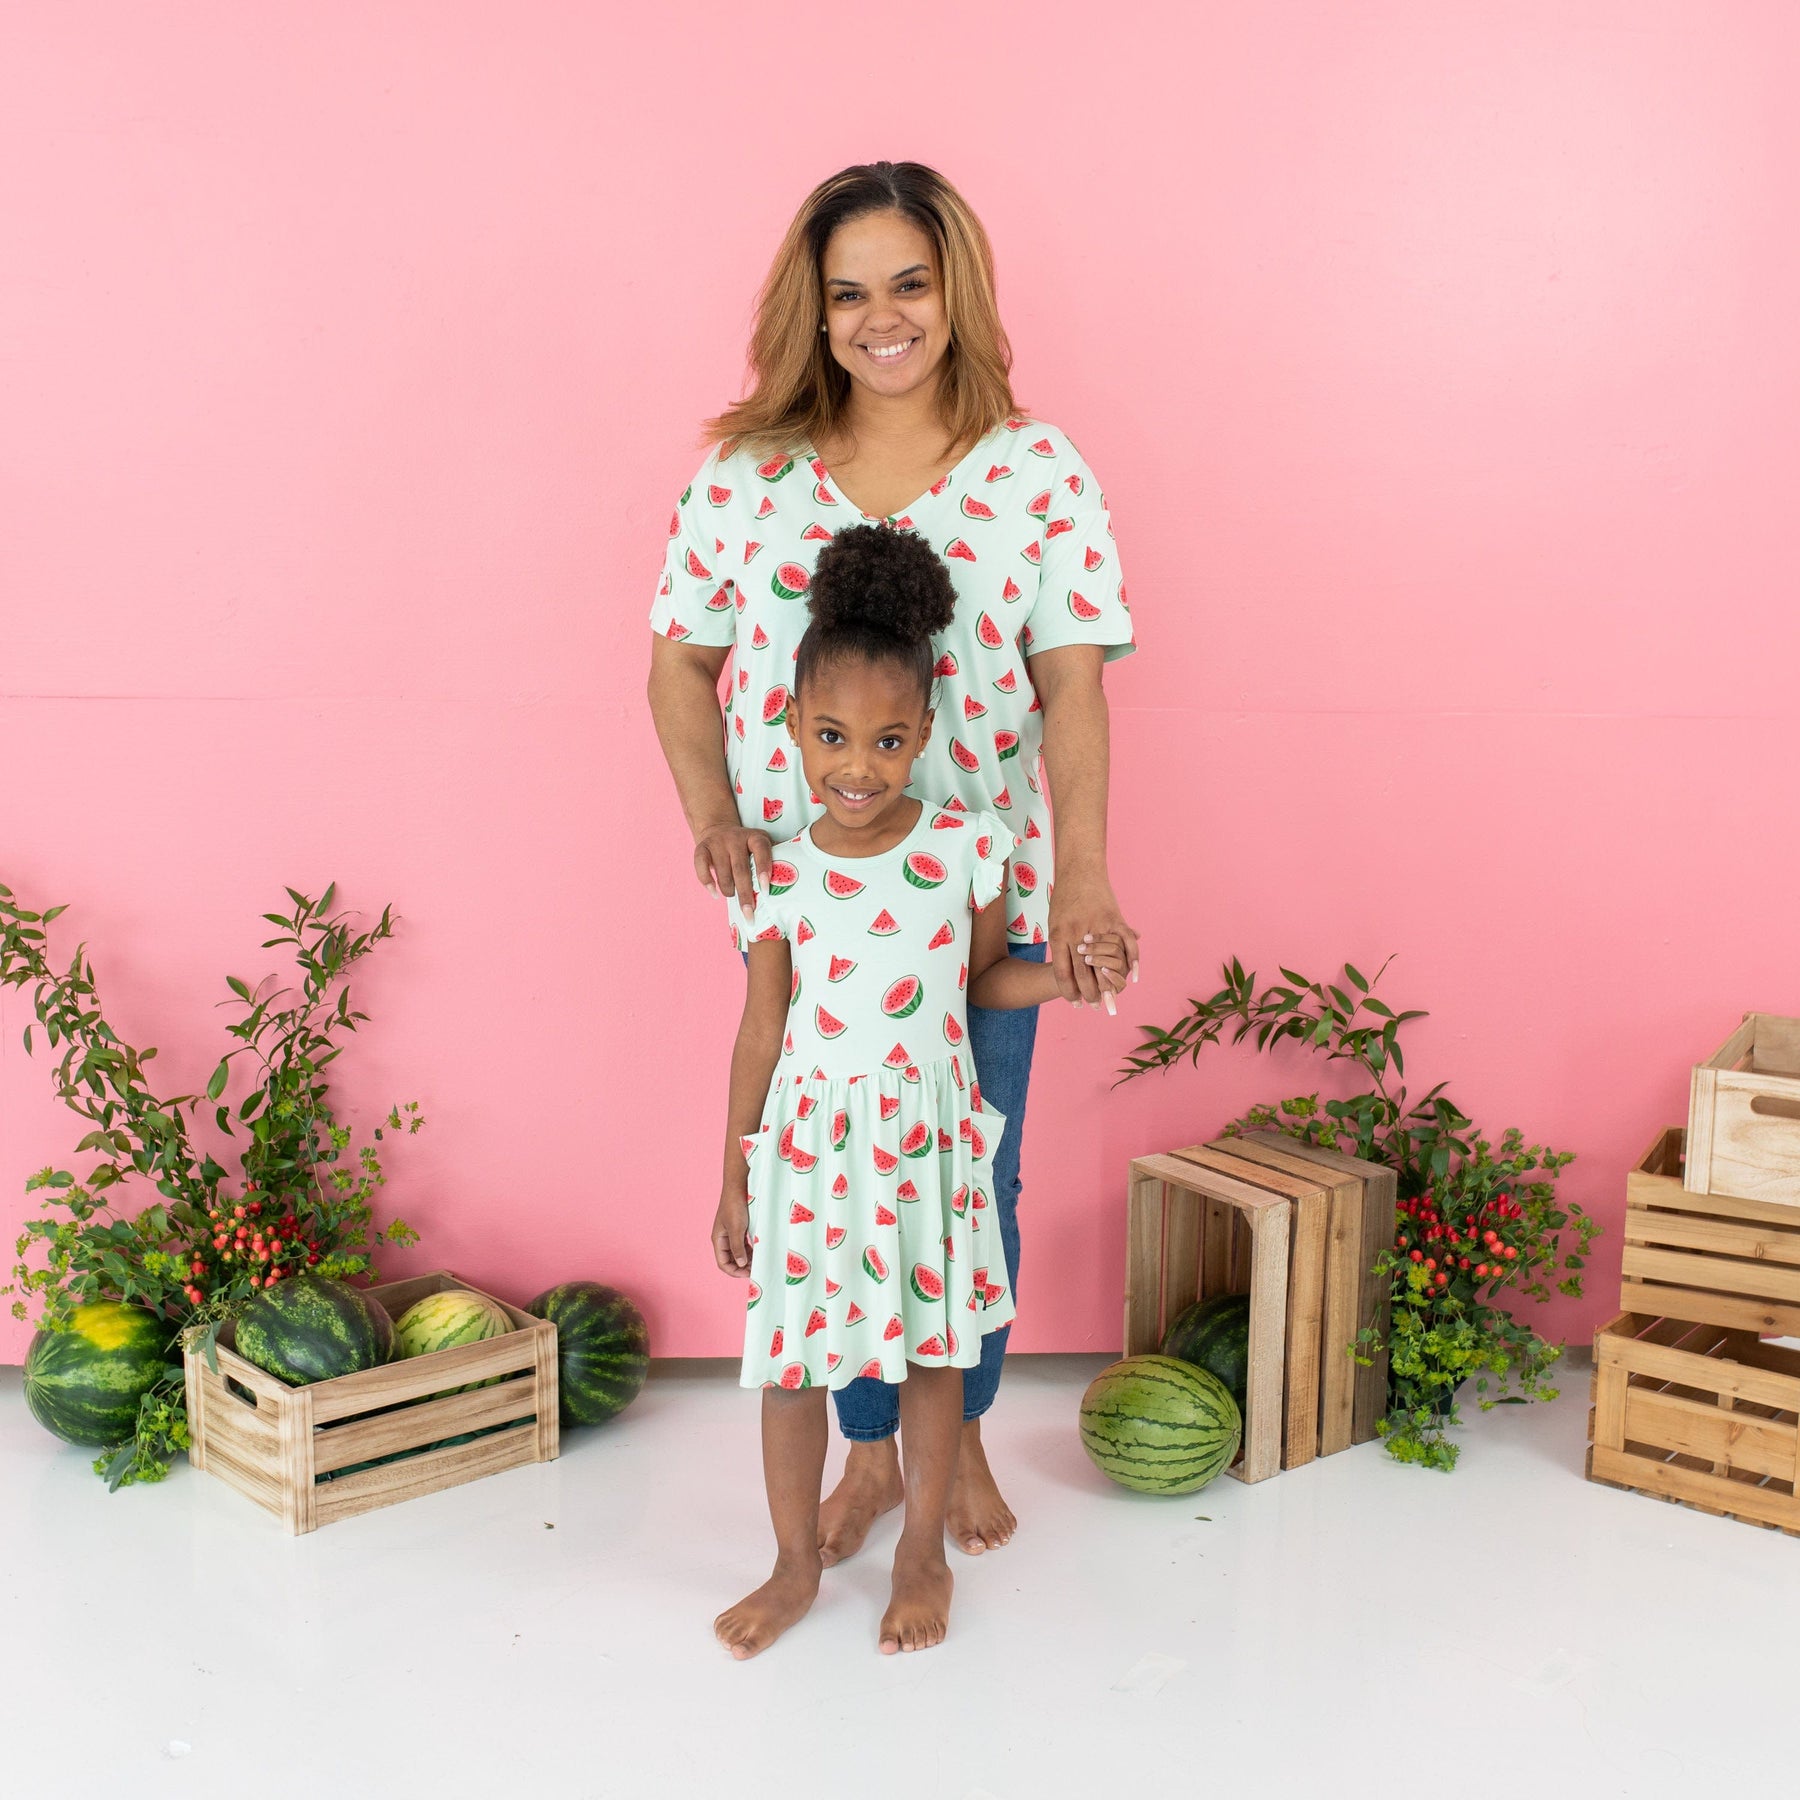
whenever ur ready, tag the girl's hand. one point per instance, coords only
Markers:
(731, 1233)
(729, 859)
(1084, 907)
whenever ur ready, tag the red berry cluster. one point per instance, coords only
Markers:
(239, 1243)
(1475, 1244)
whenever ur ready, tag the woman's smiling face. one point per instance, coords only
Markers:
(884, 305)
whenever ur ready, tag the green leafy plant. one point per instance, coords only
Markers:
(1479, 1225)
(302, 1197)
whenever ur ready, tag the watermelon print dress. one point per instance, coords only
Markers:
(1023, 528)
(873, 1243)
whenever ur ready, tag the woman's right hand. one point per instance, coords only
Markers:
(731, 1232)
(730, 859)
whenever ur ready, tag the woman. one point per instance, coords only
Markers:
(881, 393)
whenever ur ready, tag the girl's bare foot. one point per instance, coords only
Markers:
(870, 1486)
(978, 1519)
(760, 1618)
(918, 1615)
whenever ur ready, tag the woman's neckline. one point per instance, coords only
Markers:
(912, 831)
(940, 486)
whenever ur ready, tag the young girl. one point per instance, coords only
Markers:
(858, 1159)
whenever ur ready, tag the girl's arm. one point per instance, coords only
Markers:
(684, 703)
(1003, 983)
(753, 1061)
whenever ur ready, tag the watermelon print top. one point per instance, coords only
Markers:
(872, 1242)
(1022, 526)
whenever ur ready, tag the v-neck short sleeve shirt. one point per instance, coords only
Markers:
(1021, 524)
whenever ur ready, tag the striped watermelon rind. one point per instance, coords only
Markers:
(1157, 1425)
(602, 1348)
(310, 1328)
(1214, 1335)
(84, 1383)
(443, 1320)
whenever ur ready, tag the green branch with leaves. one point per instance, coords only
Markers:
(303, 1196)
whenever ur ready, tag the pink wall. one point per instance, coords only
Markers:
(1440, 365)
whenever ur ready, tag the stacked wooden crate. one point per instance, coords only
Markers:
(1692, 1401)
(1298, 1229)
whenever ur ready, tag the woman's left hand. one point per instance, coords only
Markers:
(1085, 906)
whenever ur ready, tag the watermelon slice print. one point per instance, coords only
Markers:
(927, 1283)
(988, 634)
(775, 1342)
(991, 1292)
(840, 1190)
(976, 509)
(841, 886)
(959, 1201)
(775, 468)
(826, 1025)
(675, 634)
(885, 1216)
(1057, 527)
(896, 1058)
(1039, 505)
(949, 1246)
(840, 967)
(750, 550)
(893, 1328)
(718, 495)
(834, 1357)
(901, 1000)
(1032, 553)
(784, 1145)
(771, 811)
(1003, 800)
(946, 665)
(804, 1161)
(840, 1129)
(1085, 610)
(855, 1315)
(798, 1268)
(945, 934)
(932, 1346)
(1043, 447)
(873, 1266)
(815, 1321)
(1092, 559)
(890, 1104)
(807, 1107)
(1006, 743)
(885, 923)
(782, 876)
(923, 870)
(816, 534)
(886, 1162)
(1026, 876)
(910, 1073)
(753, 1294)
(917, 1141)
(832, 1288)
(775, 703)
(961, 551)
(803, 932)
(998, 472)
(721, 600)
(765, 510)
(950, 1336)
(964, 758)
(823, 494)
(947, 820)
(972, 709)
(906, 1191)
(834, 1235)
(795, 1376)
(1012, 590)
(698, 569)
(871, 1370)
(799, 1214)
(946, 1142)
(790, 581)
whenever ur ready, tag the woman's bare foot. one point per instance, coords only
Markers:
(918, 1615)
(870, 1486)
(760, 1618)
(978, 1519)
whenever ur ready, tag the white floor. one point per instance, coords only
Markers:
(1347, 1629)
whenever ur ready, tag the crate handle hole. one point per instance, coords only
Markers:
(238, 1391)
(1773, 1106)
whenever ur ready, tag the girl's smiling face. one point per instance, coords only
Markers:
(859, 726)
(884, 307)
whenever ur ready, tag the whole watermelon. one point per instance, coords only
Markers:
(1158, 1425)
(445, 1319)
(602, 1349)
(85, 1383)
(311, 1328)
(1214, 1335)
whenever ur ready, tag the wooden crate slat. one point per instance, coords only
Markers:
(381, 1434)
(426, 1473)
(1375, 1299)
(1714, 1433)
(412, 1379)
(1181, 1252)
(1643, 1262)
(1143, 1262)
(1656, 1362)
(1263, 1390)
(1714, 1237)
(1704, 1306)
(1705, 1491)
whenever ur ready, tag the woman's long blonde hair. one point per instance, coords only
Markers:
(799, 393)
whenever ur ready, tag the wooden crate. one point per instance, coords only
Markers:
(1356, 1240)
(1192, 1232)
(1700, 1414)
(1744, 1115)
(1710, 1259)
(293, 1450)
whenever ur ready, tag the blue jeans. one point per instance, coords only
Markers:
(1001, 1044)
